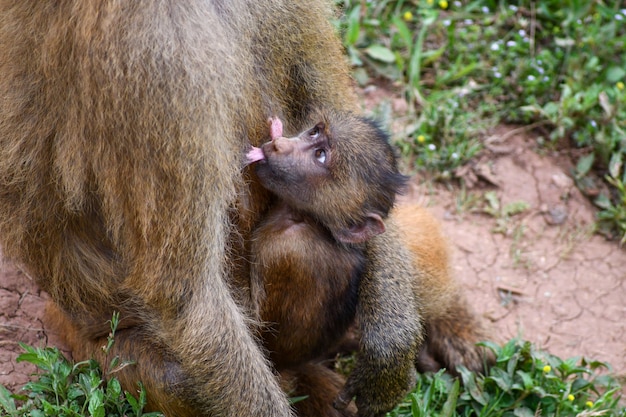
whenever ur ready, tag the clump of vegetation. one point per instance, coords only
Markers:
(72, 390)
(558, 67)
(523, 383)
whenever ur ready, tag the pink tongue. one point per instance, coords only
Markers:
(255, 155)
(276, 128)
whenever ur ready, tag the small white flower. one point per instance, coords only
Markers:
(432, 147)
(619, 17)
(531, 78)
(512, 7)
(511, 44)
(540, 70)
(522, 33)
(497, 74)
(486, 9)
(454, 155)
(447, 22)
(468, 21)
(495, 46)
(593, 123)
(545, 79)
(457, 4)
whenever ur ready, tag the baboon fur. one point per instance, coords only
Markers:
(122, 128)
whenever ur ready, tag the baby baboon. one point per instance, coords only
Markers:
(308, 257)
(335, 183)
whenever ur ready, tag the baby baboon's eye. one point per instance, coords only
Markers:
(314, 133)
(320, 155)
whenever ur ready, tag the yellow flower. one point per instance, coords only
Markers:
(589, 404)
(547, 368)
(430, 2)
(570, 397)
(408, 16)
(619, 85)
(421, 139)
(443, 4)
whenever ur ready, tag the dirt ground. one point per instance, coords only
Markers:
(541, 274)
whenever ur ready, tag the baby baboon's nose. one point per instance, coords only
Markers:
(282, 145)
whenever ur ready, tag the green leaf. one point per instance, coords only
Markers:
(450, 405)
(615, 164)
(584, 165)
(404, 32)
(551, 110)
(96, 405)
(134, 404)
(114, 389)
(381, 53)
(416, 410)
(6, 402)
(293, 400)
(501, 378)
(35, 357)
(614, 74)
(509, 349)
(527, 380)
(354, 26)
(603, 202)
(494, 347)
(523, 412)
(470, 384)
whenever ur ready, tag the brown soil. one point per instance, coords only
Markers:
(542, 274)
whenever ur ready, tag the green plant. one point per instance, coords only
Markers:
(66, 389)
(466, 65)
(524, 382)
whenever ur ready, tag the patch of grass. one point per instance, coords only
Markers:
(72, 390)
(525, 382)
(559, 66)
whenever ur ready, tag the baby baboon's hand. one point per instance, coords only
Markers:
(378, 387)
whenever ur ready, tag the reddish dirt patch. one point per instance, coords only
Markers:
(544, 277)
(541, 275)
(21, 312)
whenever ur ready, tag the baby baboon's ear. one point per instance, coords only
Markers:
(362, 232)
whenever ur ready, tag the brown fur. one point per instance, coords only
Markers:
(452, 328)
(307, 287)
(121, 130)
(122, 125)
